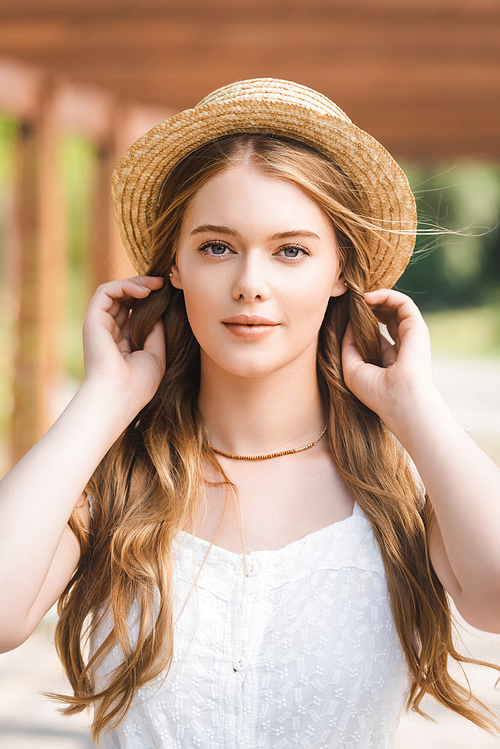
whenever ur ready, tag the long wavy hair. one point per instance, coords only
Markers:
(147, 485)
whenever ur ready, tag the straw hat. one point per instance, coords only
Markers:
(267, 105)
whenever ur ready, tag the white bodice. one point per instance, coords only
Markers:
(298, 651)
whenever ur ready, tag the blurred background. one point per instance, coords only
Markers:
(80, 81)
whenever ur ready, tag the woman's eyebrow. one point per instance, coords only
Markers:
(295, 233)
(214, 228)
(232, 232)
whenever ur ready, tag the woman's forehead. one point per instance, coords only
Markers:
(243, 195)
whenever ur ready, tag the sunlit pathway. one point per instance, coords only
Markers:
(452, 731)
(471, 388)
(27, 719)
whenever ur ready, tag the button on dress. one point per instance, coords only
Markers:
(294, 647)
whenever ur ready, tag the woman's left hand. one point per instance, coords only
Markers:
(460, 479)
(406, 363)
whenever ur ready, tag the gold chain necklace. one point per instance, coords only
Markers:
(270, 455)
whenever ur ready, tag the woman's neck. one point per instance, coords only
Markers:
(252, 416)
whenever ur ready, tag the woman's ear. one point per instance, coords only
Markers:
(175, 277)
(339, 287)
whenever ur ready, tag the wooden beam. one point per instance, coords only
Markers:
(229, 7)
(39, 273)
(26, 395)
(19, 86)
(107, 256)
(41, 225)
(128, 40)
(108, 259)
(384, 62)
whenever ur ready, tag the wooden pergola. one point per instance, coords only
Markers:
(422, 76)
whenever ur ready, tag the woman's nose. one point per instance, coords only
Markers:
(252, 278)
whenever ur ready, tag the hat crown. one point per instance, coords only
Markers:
(273, 107)
(273, 90)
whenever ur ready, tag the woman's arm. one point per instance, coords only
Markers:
(61, 568)
(38, 552)
(461, 481)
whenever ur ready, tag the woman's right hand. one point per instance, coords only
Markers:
(109, 361)
(38, 552)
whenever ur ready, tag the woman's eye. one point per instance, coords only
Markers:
(293, 253)
(214, 248)
(218, 249)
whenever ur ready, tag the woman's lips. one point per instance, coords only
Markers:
(249, 327)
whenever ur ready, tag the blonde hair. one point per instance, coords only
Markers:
(147, 485)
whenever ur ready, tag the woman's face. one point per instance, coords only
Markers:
(257, 263)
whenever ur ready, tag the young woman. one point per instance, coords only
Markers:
(250, 551)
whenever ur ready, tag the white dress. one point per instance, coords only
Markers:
(298, 651)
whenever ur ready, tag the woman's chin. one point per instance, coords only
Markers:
(244, 367)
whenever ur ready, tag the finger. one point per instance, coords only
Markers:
(388, 304)
(122, 337)
(122, 316)
(389, 352)
(393, 329)
(125, 303)
(358, 375)
(112, 301)
(155, 342)
(150, 282)
(400, 314)
(351, 358)
(124, 291)
(405, 324)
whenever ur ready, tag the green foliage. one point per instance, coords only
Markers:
(8, 131)
(76, 169)
(78, 162)
(468, 332)
(460, 265)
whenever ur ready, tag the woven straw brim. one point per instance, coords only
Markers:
(388, 200)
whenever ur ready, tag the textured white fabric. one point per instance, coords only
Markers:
(299, 651)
